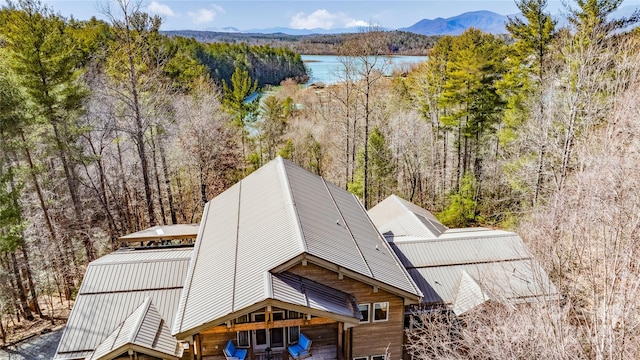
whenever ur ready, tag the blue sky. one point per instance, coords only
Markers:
(301, 14)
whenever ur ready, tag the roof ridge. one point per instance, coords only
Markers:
(439, 239)
(303, 242)
(136, 329)
(402, 201)
(346, 226)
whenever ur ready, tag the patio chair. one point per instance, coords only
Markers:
(231, 353)
(302, 349)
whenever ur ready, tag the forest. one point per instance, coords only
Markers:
(108, 128)
(398, 42)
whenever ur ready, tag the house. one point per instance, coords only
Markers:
(280, 255)
(459, 269)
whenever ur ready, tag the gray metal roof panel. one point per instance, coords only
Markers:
(211, 272)
(249, 229)
(121, 335)
(298, 290)
(380, 259)
(469, 294)
(325, 233)
(273, 215)
(509, 280)
(145, 328)
(476, 249)
(163, 232)
(108, 295)
(396, 217)
(73, 355)
(162, 274)
(140, 255)
(94, 316)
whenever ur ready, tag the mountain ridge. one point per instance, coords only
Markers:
(484, 20)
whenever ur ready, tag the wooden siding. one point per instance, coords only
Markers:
(371, 338)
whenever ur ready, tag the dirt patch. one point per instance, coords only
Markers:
(25, 329)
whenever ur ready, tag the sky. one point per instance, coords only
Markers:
(301, 14)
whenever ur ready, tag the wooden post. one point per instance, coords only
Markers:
(347, 343)
(340, 335)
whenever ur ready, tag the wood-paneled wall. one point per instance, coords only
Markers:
(368, 339)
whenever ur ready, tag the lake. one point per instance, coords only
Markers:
(324, 68)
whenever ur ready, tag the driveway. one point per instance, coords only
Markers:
(38, 347)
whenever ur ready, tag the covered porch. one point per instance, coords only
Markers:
(267, 333)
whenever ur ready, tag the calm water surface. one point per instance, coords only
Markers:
(326, 68)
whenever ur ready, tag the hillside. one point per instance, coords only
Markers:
(398, 42)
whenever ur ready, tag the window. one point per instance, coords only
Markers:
(243, 339)
(380, 313)
(378, 357)
(361, 358)
(295, 315)
(294, 334)
(364, 311)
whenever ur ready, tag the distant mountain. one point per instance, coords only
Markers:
(486, 21)
(290, 31)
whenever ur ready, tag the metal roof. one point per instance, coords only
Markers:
(396, 218)
(114, 286)
(274, 215)
(469, 294)
(465, 250)
(516, 280)
(145, 329)
(164, 232)
(297, 290)
(461, 267)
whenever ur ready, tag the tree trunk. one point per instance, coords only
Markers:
(167, 181)
(32, 289)
(72, 184)
(22, 295)
(63, 262)
(154, 157)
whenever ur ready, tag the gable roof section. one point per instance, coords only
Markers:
(144, 329)
(278, 213)
(469, 294)
(397, 218)
(114, 286)
(458, 267)
(297, 290)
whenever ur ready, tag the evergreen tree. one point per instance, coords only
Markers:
(44, 57)
(234, 101)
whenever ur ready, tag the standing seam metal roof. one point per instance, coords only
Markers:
(396, 217)
(276, 214)
(113, 287)
(446, 267)
(145, 328)
(297, 290)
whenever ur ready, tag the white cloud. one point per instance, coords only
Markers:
(219, 9)
(202, 16)
(160, 9)
(323, 19)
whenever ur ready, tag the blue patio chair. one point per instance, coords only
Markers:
(231, 353)
(302, 349)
